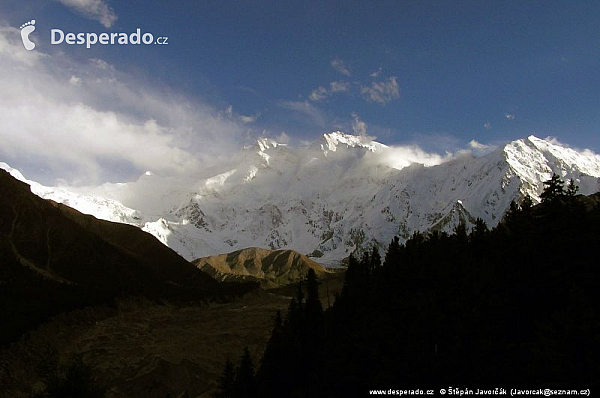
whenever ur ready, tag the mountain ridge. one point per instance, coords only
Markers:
(272, 268)
(340, 194)
(55, 259)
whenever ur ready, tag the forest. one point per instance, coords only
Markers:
(511, 306)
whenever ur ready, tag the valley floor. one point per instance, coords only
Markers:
(142, 349)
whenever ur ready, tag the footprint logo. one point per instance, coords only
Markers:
(26, 29)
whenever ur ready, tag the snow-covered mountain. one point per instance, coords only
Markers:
(99, 207)
(331, 197)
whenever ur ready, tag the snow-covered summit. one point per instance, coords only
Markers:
(328, 199)
(337, 139)
(266, 143)
(534, 160)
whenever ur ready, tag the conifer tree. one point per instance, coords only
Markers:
(392, 255)
(300, 297)
(273, 356)
(375, 259)
(313, 339)
(553, 189)
(314, 314)
(275, 363)
(513, 212)
(514, 207)
(479, 230)
(572, 188)
(526, 204)
(293, 318)
(313, 303)
(244, 386)
(365, 264)
(313, 309)
(460, 231)
(227, 381)
(351, 278)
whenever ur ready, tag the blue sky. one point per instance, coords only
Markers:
(433, 73)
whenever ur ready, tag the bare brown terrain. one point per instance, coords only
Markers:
(271, 268)
(142, 349)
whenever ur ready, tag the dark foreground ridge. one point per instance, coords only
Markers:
(54, 259)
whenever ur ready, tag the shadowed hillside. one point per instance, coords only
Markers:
(54, 259)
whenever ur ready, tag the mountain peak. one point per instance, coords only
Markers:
(533, 160)
(337, 139)
(267, 143)
(334, 196)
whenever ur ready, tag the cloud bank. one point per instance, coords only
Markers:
(93, 9)
(88, 123)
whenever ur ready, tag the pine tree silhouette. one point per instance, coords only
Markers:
(244, 386)
(227, 381)
(503, 305)
(526, 204)
(572, 188)
(553, 189)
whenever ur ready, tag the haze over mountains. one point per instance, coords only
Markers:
(331, 197)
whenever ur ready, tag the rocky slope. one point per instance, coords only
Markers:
(272, 268)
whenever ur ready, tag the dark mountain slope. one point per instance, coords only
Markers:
(53, 259)
(156, 257)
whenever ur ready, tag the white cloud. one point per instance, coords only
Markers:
(249, 119)
(339, 87)
(400, 157)
(93, 9)
(487, 125)
(358, 126)
(244, 119)
(479, 149)
(101, 64)
(283, 138)
(339, 66)
(321, 93)
(381, 92)
(305, 108)
(376, 74)
(104, 125)
(403, 156)
(10, 40)
(509, 116)
(74, 80)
